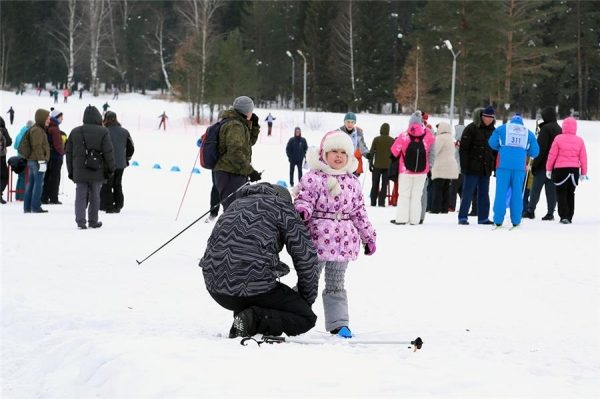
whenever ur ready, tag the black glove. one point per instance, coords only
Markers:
(254, 176)
(370, 166)
(108, 174)
(254, 120)
(70, 176)
(369, 156)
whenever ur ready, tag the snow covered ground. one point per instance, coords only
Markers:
(502, 313)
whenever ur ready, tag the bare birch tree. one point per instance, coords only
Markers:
(198, 16)
(344, 44)
(96, 14)
(158, 49)
(66, 35)
(117, 64)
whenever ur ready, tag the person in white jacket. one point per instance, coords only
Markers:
(445, 168)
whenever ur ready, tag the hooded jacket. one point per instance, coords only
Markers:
(96, 138)
(236, 138)
(333, 203)
(381, 148)
(402, 142)
(514, 143)
(5, 140)
(37, 139)
(476, 156)
(568, 149)
(549, 129)
(262, 223)
(122, 143)
(296, 149)
(445, 165)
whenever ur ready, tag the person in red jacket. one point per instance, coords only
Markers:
(57, 152)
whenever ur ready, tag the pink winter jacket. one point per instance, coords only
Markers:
(402, 142)
(568, 149)
(337, 225)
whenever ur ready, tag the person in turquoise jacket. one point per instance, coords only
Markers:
(514, 143)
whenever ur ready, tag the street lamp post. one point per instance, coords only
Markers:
(304, 101)
(289, 54)
(454, 55)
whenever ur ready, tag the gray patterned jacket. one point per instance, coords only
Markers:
(242, 253)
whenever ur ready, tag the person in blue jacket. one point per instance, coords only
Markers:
(514, 143)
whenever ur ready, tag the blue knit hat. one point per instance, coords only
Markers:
(350, 116)
(489, 112)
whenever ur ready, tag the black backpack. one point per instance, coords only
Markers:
(415, 158)
(209, 147)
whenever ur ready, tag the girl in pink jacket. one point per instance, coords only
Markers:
(566, 165)
(412, 147)
(330, 201)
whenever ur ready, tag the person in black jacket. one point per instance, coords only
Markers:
(477, 164)
(243, 274)
(90, 136)
(296, 151)
(549, 129)
(5, 141)
(111, 194)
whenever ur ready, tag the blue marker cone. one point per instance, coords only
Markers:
(196, 171)
(135, 163)
(175, 169)
(156, 166)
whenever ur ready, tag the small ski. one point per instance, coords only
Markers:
(416, 344)
(514, 228)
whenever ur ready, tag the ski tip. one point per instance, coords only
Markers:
(417, 343)
(138, 262)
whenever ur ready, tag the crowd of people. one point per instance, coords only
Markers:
(96, 153)
(323, 220)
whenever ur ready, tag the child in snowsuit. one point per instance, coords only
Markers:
(567, 155)
(330, 201)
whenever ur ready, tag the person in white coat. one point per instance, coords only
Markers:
(445, 168)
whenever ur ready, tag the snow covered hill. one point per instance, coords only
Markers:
(502, 313)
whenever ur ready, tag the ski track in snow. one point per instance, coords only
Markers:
(502, 314)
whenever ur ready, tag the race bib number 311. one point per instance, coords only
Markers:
(516, 136)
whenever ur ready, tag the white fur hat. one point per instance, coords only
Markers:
(337, 140)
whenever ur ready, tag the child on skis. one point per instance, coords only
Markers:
(330, 201)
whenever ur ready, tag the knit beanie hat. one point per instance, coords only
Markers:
(55, 113)
(243, 104)
(350, 116)
(489, 112)
(416, 117)
(384, 129)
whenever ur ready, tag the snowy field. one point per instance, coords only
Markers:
(503, 314)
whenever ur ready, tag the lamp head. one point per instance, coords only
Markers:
(289, 54)
(448, 44)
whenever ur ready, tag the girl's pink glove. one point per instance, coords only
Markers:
(370, 248)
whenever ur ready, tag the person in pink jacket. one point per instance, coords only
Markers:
(412, 147)
(330, 201)
(566, 165)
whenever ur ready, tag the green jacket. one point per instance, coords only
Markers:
(236, 138)
(38, 138)
(380, 149)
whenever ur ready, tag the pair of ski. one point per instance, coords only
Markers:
(511, 228)
(415, 344)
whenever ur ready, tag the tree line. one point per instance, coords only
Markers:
(367, 56)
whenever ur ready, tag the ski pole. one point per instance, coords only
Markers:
(187, 185)
(191, 224)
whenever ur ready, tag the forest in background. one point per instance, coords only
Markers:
(364, 56)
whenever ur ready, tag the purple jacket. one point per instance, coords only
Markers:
(337, 225)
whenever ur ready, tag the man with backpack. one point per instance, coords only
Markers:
(237, 134)
(35, 148)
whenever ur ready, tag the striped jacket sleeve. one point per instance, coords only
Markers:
(302, 250)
